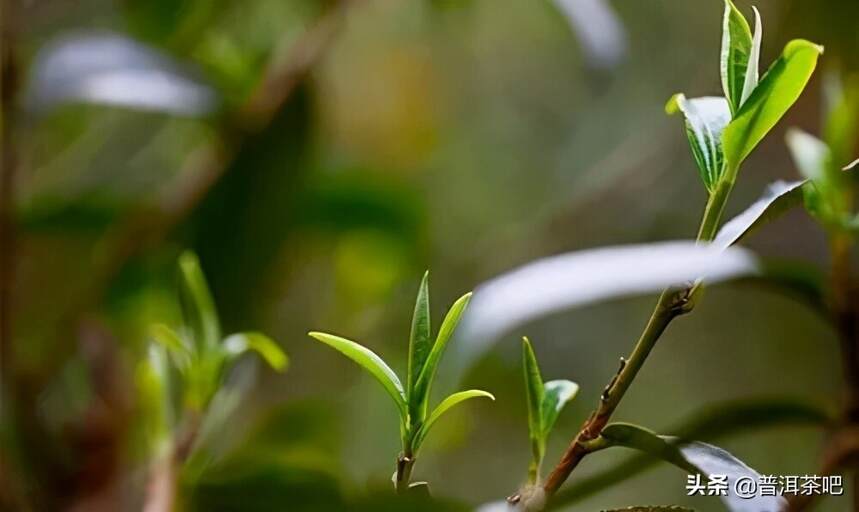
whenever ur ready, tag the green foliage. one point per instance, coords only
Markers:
(545, 402)
(722, 132)
(424, 358)
(695, 458)
(777, 91)
(736, 54)
(197, 350)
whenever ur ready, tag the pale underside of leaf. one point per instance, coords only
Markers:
(777, 199)
(557, 394)
(695, 457)
(445, 405)
(776, 92)
(752, 70)
(810, 154)
(575, 279)
(735, 54)
(705, 119)
(371, 362)
(109, 69)
(238, 344)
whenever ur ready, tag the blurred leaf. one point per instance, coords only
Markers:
(109, 69)
(370, 362)
(558, 394)
(445, 405)
(736, 53)
(706, 119)
(579, 278)
(777, 199)
(695, 458)
(198, 307)
(777, 91)
(420, 340)
(238, 344)
(810, 154)
(448, 326)
(598, 28)
(715, 422)
(534, 394)
(170, 340)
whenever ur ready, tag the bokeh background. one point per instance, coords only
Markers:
(462, 136)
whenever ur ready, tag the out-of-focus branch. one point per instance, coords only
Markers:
(8, 164)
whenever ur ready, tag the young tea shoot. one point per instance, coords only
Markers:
(412, 399)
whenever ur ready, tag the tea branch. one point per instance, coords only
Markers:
(671, 304)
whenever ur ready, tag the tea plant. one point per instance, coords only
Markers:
(413, 399)
(545, 402)
(722, 132)
(201, 358)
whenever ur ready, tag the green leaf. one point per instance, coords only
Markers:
(420, 341)
(534, 393)
(197, 305)
(557, 394)
(448, 326)
(173, 343)
(706, 119)
(717, 421)
(735, 54)
(370, 362)
(237, 344)
(695, 458)
(778, 198)
(777, 91)
(752, 69)
(445, 405)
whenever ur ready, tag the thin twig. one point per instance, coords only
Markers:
(671, 304)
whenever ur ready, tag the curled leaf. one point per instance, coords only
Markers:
(557, 394)
(706, 119)
(735, 55)
(237, 344)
